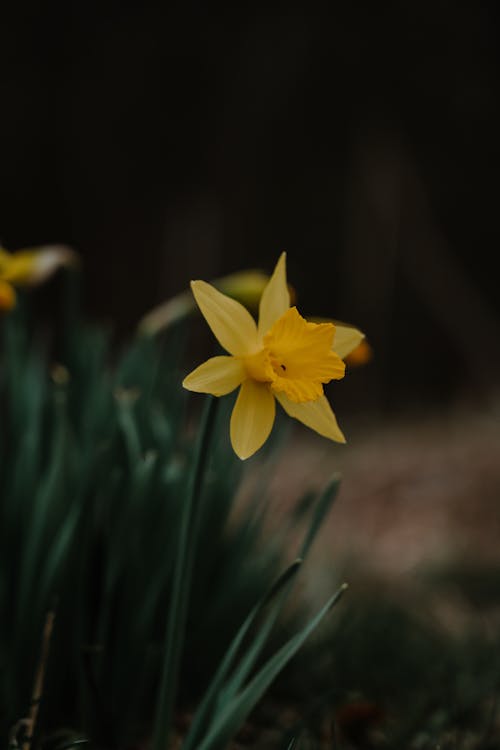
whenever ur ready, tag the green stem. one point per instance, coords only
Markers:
(181, 583)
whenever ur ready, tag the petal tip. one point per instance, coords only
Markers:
(241, 456)
(282, 262)
(188, 384)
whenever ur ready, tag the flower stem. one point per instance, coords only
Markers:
(181, 582)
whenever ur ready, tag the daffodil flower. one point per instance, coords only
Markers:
(283, 358)
(30, 267)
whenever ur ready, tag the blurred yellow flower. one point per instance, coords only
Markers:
(360, 355)
(245, 286)
(283, 358)
(7, 296)
(30, 267)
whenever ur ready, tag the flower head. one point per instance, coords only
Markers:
(30, 267)
(281, 358)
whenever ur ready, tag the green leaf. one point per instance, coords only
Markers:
(233, 713)
(208, 705)
(321, 511)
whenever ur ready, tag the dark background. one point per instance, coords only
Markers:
(169, 141)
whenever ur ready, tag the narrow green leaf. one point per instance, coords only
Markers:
(323, 507)
(181, 586)
(207, 706)
(231, 716)
(124, 405)
(250, 658)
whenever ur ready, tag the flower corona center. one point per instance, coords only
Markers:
(297, 358)
(259, 366)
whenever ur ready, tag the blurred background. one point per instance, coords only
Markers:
(166, 142)
(170, 141)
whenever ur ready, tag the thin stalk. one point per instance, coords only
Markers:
(36, 696)
(181, 583)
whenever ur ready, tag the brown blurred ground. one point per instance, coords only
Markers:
(416, 493)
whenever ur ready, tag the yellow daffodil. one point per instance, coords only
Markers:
(283, 358)
(30, 267)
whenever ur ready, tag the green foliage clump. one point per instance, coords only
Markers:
(97, 451)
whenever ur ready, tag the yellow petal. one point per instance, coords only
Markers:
(7, 296)
(252, 418)
(317, 415)
(232, 325)
(33, 266)
(275, 299)
(346, 339)
(244, 286)
(218, 376)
